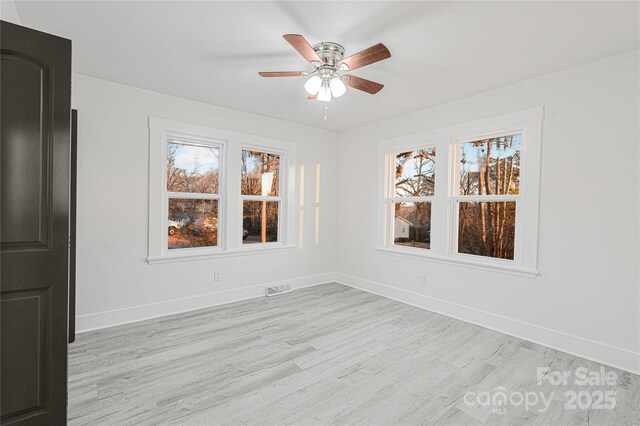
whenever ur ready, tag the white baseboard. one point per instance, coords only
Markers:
(585, 348)
(131, 314)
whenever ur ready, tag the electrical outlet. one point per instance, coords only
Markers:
(216, 276)
(423, 280)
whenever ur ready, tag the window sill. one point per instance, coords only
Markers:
(504, 269)
(245, 251)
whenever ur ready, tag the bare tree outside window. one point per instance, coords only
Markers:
(489, 168)
(413, 189)
(261, 227)
(260, 191)
(192, 169)
(416, 173)
(255, 165)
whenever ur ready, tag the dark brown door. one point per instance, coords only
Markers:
(35, 114)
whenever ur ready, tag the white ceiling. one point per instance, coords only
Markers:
(441, 51)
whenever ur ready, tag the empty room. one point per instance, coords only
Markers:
(320, 212)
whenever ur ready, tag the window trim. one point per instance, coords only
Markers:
(229, 215)
(282, 176)
(443, 247)
(392, 199)
(456, 198)
(167, 195)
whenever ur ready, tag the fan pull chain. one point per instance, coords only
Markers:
(326, 107)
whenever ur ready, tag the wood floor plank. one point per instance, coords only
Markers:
(323, 355)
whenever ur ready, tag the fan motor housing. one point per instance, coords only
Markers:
(331, 53)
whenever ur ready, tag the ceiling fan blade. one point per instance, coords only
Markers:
(281, 74)
(312, 97)
(365, 57)
(303, 47)
(363, 84)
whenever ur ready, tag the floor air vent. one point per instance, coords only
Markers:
(274, 290)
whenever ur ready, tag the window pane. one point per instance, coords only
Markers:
(192, 168)
(487, 229)
(260, 173)
(193, 223)
(415, 173)
(412, 225)
(490, 166)
(260, 221)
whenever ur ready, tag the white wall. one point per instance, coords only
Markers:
(587, 298)
(114, 283)
(9, 12)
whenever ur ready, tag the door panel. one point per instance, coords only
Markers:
(35, 112)
(28, 311)
(25, 129)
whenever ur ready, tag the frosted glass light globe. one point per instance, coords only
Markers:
(337, 87)
(313, 85)
(324, 95)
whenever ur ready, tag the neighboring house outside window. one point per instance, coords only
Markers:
(401, 230)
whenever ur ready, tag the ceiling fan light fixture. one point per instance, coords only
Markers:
(326, 80)
(324, 95)
(313, 85)
(337, 87)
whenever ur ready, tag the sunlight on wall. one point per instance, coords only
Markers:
(301, 202)
(317, 237)
(317, 183)
(301, 185)
(301, 229)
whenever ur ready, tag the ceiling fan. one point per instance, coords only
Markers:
(328, 78)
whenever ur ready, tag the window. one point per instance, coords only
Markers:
(413, 192)
(215, 192)
(488, 192)
(193, 194)
(482, 210)
(260, 189)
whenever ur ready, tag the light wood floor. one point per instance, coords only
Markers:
(322, 355)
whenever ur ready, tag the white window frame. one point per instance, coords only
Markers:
(231, 144)
(456, 198)
(444, 207)
(279, 197)
(167, 195)
(391, 198)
